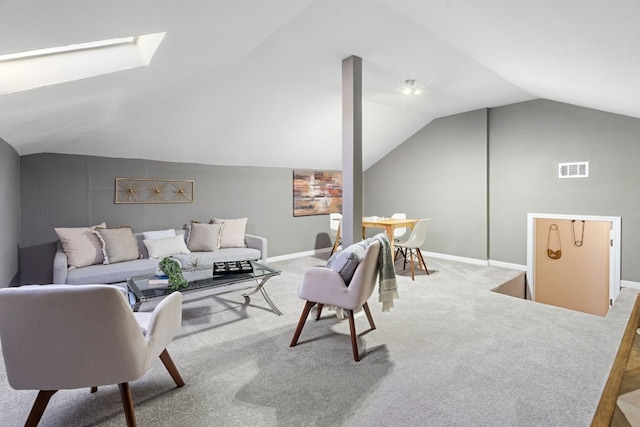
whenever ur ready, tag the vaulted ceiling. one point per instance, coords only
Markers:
(257, 82)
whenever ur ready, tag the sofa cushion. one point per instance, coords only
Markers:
(232, 235)
(81, 245)
(112, 273)
(118, 244)
(160, 248)
(204, 237)
(346, 261)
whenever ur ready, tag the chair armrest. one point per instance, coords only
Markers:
(60, 266)
(323, 285)
(257, 242)
(165, 323)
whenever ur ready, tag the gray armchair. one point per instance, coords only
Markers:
(73, 336)
(324, 286)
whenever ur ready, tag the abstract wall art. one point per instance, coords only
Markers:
(316, 192)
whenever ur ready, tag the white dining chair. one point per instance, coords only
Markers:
(335, 221)
(398, 233)
(410, 248)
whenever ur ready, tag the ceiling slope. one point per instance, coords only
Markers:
(259, 83)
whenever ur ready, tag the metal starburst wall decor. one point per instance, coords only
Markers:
(142, 190)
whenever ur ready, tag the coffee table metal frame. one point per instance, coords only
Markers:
(204, 279)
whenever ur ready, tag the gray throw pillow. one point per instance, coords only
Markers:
(118, 244)
(81, 245)
(346, 261)
(204, 237)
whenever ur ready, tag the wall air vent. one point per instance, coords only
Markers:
(573, 170)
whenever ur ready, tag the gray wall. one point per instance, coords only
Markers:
(9, 214)
(438, 173)
(72, 191)
(441, 172)
(476, 175)
(528, 140)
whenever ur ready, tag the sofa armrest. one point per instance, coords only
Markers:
(256, 242)
(60, 266)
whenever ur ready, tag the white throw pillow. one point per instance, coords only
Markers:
(160, 248)
(232, 235)
(158, 234)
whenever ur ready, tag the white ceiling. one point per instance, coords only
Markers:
(257, 82)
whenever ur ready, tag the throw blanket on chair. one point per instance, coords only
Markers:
(388, 287)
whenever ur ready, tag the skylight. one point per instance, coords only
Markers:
(70, 48)
(42, 67)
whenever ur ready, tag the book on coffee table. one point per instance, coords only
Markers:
(158, 282)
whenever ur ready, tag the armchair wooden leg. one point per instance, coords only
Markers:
(94, 389)
(171, 367)
(303, 319)
(42, 400)
(354, 338)
(365, 307)
(319, 311)
(127, 403)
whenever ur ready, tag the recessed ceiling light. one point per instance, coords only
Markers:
(410, 88)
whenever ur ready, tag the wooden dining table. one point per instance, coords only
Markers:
(388, 225)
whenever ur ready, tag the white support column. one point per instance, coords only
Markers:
(351, 150)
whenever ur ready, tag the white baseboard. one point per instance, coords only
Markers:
(298, 255)
(475, 261)
(455, 258)
(425, 253)
(508, 265)
(629, 284)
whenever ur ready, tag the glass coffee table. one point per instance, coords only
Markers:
(205, 279)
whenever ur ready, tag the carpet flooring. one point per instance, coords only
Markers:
(450, 353)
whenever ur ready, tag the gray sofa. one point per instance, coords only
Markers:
(256, 250)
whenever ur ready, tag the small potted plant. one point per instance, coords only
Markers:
(172, 269)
